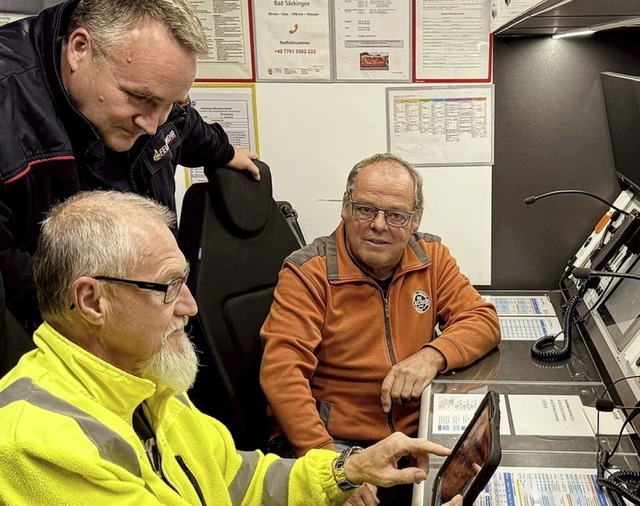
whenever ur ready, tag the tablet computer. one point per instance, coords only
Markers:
(474, 458)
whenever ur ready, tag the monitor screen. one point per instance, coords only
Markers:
(620, 311)
(622, 102)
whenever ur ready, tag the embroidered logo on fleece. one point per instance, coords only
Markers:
(421, 301)
(159, 153)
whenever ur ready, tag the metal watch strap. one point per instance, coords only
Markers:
(338, 468)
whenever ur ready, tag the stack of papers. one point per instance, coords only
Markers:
(524, 486)
(525, 318)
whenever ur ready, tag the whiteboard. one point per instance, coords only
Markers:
(311, 135)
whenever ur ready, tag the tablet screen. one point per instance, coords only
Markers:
(467, 460)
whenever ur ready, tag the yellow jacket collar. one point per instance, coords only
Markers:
(113, 388)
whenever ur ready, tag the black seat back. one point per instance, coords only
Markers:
(14, 339)
(235, 238)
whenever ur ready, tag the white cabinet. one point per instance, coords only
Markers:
(548, 17)
(504, 12)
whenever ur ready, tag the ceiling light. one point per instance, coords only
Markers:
(573, 33)
(621, 23)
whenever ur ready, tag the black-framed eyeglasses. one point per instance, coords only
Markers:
(170, 289)
(367, 212)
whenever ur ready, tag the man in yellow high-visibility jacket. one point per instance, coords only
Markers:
(98, 413)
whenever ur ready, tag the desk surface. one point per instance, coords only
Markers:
(511, 371)
(512, 362)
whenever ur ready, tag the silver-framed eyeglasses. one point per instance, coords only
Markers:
(170, 289)
(367, 212)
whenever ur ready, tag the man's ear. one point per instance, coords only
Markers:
(415, 222)
(78, 48)
(89, 300)
(345, 203)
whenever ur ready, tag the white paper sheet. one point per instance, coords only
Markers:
(453, 412)
(526, 486)
(521, 305)
(452, 40)
(293, 40)
(372, 40)
(528, 328)
(233, 107)
(548, 415)
(228, 35)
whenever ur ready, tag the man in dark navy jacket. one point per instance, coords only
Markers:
(94, 95)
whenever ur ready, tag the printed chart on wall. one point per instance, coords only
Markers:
(373, 40)
(441, 125)
(452, 41)
(233, 107)
(228, 28)
(294, 40)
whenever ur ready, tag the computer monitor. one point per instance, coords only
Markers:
(622, 102)
(620, 311)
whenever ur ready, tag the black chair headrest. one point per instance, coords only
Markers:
(243, 202)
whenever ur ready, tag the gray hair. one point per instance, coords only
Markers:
(107, 20)
(418, 196)
(90, 234)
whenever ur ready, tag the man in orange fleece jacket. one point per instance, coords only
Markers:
(364, 319)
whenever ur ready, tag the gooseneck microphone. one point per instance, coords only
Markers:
(585, 273)
(607, 406)
(534, 198)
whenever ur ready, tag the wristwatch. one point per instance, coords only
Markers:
(338, 468)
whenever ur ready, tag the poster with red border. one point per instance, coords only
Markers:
(452, 42)
(229, 29)
(295, 41)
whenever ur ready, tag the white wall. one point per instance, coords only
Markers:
(311, 134)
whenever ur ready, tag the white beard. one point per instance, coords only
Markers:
(174, 368)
